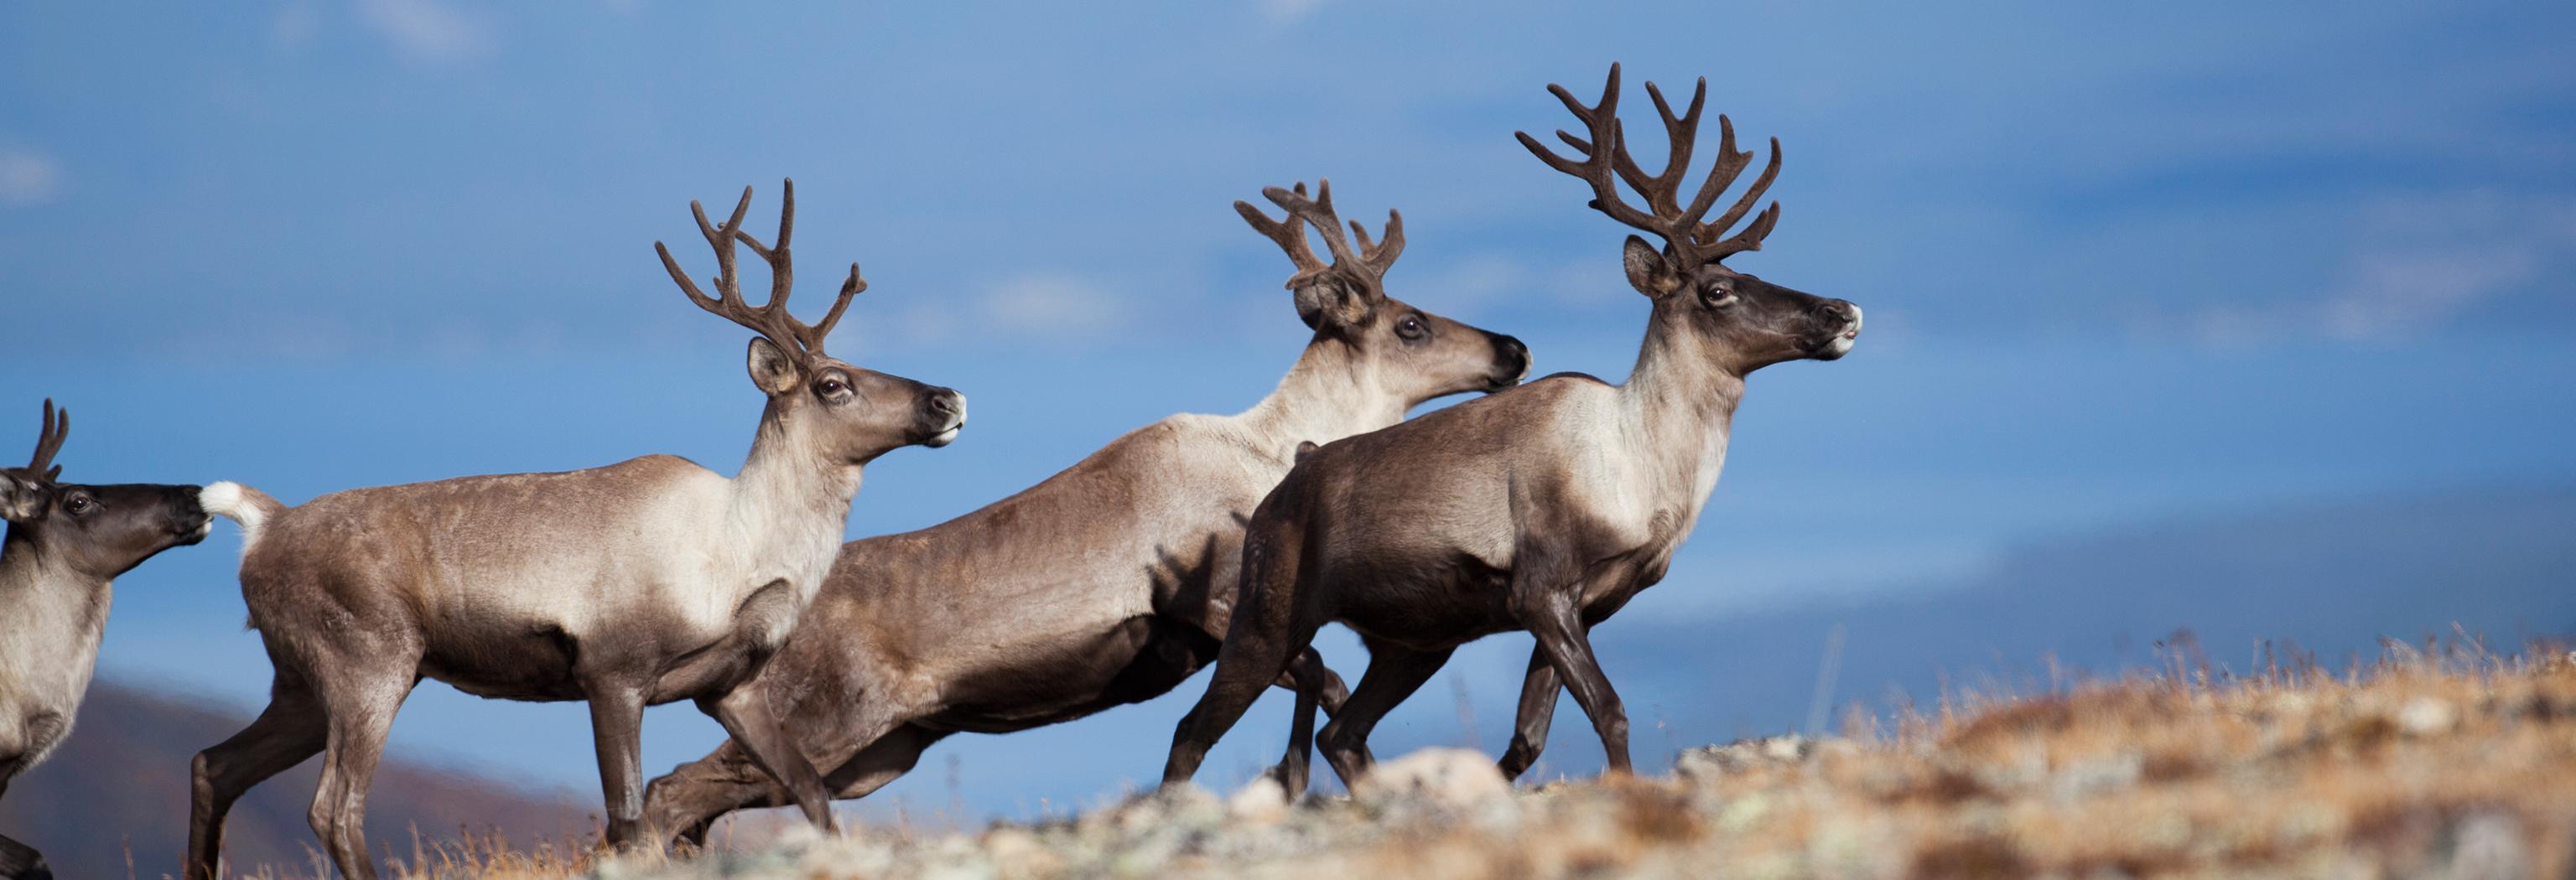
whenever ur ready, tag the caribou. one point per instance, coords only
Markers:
(639, 583)
(66, 545)
(1544, 508)
(1108, 583)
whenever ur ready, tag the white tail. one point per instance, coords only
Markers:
(242, 504)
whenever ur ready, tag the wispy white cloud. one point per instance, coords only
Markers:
(2414, 265)
(1052, 305)
(2400, 294)
(1485, 280)
(28, 176)
(427, 30)
(1053, 309)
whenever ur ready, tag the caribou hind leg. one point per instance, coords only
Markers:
(1394, 673)
(883, 761)
(1538, 709)
(1268, 632)
(1316, 686)
(361, 703)
(1243, 671)
(292, 729)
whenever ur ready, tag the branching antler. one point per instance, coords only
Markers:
(770, 319)
(1606, 161)
(49, 440)
(1365, 265)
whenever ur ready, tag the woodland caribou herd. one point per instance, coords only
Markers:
(1199, 540)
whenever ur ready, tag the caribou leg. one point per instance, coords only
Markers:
(1311, 680)
(361, 708)
(1333, 693)
(1538, 709)
(19, 861)
(687, 800)
(1394, 673)
(1270, 628)
(291, 729)
(1568, 646)
(745, 714)
(685, 803)
(883, 761)
(1243, 671)
(617, 734)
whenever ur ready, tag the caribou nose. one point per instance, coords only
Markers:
(186, 504)
(188, 515)
(943, 414)
(945, 405)
(1511, 360)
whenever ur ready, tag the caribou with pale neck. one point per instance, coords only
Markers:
(643, 582)
(1544, 508)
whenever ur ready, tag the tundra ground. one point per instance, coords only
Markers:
(2442, 762)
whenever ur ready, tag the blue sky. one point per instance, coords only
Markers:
(2121, 264)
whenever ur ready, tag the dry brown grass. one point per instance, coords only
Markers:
(490, 855)
(2404, 767)
(487, 853)
(2435, 761)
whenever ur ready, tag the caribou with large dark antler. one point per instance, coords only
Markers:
(1109, 583)
(1543, 508)
(634, 584)
(65, 544)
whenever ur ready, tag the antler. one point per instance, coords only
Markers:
(1606, 161)
(770, 319)
(1366, 264)
(49, 440)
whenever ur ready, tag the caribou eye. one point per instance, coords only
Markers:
(832, 386)
(1411, 328)
(1717, 297)
(79, 505)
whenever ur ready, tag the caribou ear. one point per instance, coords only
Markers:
(771, 368)
(20, 501)
(1648, 271)
(1328, 299)
(1310, 305)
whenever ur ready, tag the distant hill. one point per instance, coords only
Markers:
(119, 787)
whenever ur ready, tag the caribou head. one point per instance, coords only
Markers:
(820, 402)
(97, 531)
(1740, 321)
(1409, 354)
